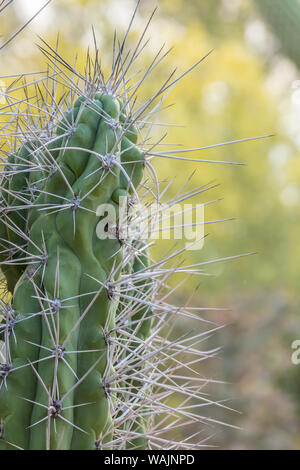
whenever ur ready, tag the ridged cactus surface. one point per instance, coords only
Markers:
(63, 309)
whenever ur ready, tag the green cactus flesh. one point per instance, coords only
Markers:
(55, 390)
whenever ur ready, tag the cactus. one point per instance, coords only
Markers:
(6, 3)
(283, 18)
(90, 354)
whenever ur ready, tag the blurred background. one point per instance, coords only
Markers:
(249, 86)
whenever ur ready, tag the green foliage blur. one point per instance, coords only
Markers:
(245, 88)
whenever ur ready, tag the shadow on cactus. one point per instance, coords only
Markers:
(88, 356)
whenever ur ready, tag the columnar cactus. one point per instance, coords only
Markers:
(90, 356)
(63, 309)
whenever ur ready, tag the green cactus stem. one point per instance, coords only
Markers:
(62, 282)
(283, 17)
